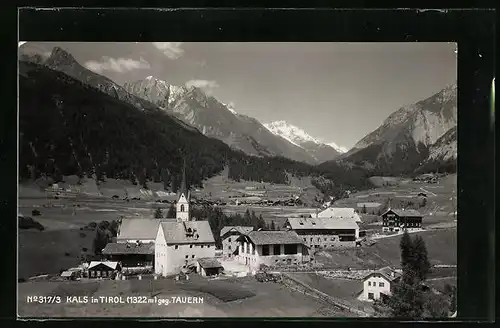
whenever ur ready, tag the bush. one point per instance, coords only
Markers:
(21, 280)
(92, 225)
(36, 213)
(67, 254)
(82, 234)
(84, 249)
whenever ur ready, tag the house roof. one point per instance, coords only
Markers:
(273, 237)
(209, 263)
(241, 229)
(111, 265)
(340, 212)
(179, 232)
(139, 229)
(67, 273)
(322, 223)
(404, 213)
(129, 248)
(387, 272)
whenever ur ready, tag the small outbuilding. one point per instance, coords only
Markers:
(208, 267)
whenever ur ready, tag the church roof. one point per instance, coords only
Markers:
(139, 228)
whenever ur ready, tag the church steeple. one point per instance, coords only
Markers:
(183, 198)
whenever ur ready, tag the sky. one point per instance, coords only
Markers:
(337, 92)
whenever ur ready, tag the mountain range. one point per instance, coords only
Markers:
(415, 138)
(219, 120)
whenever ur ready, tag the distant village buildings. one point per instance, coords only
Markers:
(229, 236)
(272, 248)
(398, 220)
(324, 233)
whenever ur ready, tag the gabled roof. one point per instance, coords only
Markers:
(387, 272)
(139, 229)
(339, 212)
(111, 265)
(129, 248)
(187, 232)
(241, 229)
(272, 237)
(404, 213)
(209, 263)
(321, 223)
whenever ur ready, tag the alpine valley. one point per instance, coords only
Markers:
(75, 121)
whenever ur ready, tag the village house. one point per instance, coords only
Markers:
(324, 233)
(181, 242)
(397, 220)
(104, 269)
(379, 283)
(229, 235)
(339, 213)
(131, 255)
(272, 248)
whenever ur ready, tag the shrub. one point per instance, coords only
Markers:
(82, 234)
(92, 225)
(84, 249)
(67, 254)
(21, 280)
(36, 213)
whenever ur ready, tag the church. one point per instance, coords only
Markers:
(182, 241)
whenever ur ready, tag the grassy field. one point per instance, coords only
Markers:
(44, 252)
(259, 299)
(441, 247)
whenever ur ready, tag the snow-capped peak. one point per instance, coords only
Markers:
(297, 136)
(230, 107)
(290, 132)
(341, 150)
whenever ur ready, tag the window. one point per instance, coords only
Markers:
(176, 246)
(325, 239)
(265, 250)
(229, 247)
(311, 239)
(229, 239)
(253, 250)
(277, 249)
(381, 284)
(370, 296)
(333, 238)
(182, 208)
(190, 246)
(319, 239)
(305, 239)
(187, 256)
(192, 256)
(369, 283)
(202, 246)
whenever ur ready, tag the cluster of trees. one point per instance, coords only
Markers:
(410, 298)
(105, 231)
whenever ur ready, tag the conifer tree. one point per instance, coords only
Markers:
(421, 264)
(158, 213)
(171, 213)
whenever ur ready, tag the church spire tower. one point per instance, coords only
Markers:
(183, 198)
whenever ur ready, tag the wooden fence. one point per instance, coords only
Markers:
(304, 288)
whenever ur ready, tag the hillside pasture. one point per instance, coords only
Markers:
(48, 252)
